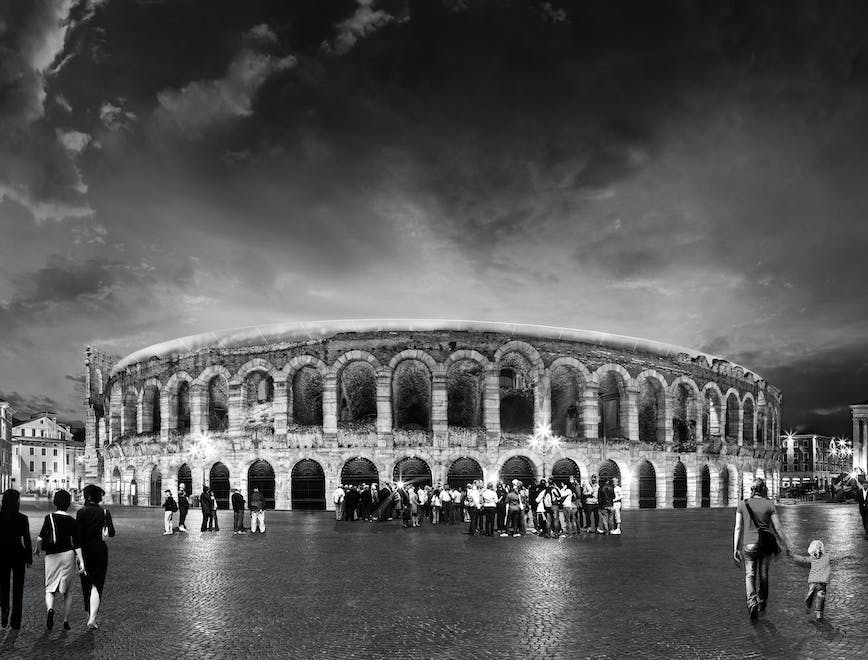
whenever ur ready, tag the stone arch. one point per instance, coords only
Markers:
(260, 474)
(359, 470)
(177, 393)
(117, 486)
(466, 354)
(414, 354)
(607, 470)
(256, 379)
(652, 405)
(518, 466)
(646, 477)
(300, 361)
(679, 486)
(306, 389)
(519, 366)
(569, 378)
(155, 486)
(733, 415)
(462, 470)
(356, 388)
(307, 492)
(209, 372)
(465, 389)
(412, 391)
(748, 408)
(686, 410)
(217, 403)
(564, 468)
(613, 381)
(517, 346)
(705, 487)
(713, 409)
(414, 470)
(149, 406)
(256, 364)
(185, 476)
(219, 482)
(129, 411)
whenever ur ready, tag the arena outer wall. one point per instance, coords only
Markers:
(680, 427)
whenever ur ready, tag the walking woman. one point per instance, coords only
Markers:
(15, 553)
(94, 522)
(205, 504)
(59, 538)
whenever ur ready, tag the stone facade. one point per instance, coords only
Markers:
(680, 427)
(5, 446)
(859, 413)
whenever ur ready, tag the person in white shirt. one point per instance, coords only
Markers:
(568, 510)
(616, 505)
(446, 505)
(489, 508)
(338, 499)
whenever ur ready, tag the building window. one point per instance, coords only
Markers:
(31, 466)
(43, 453)
(67, 459)
(41, 433)
(43, 467)
(31, 451)
(55, 466)
(55, 452)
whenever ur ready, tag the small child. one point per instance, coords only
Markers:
(818, 578)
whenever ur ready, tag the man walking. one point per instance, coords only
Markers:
(338, 499)
(238, 512)
(183, 508)
(862, 499)
(257, 512)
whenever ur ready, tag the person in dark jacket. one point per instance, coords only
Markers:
(169, 508)
(365, 503)
(183, 508)
(238, 512)
(93, 523)
(257, 512)
(15, 553)
(205, 505)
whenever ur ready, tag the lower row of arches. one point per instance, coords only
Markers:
(308, 481)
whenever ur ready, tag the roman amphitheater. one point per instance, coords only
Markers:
(297, 408)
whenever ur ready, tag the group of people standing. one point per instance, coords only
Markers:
(72, 546)
(208, 505)
(555, 510)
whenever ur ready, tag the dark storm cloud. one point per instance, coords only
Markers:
(24, 405)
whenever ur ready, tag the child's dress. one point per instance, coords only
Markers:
(818, 579)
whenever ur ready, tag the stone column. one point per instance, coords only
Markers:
(439, 422)
(384, 405)
(543, 400)
(714, 494)
(694, 487)
(167, 419)
(740, 429)
(236, 407)
(330, 406)
(632, 396)
(198, 410)
(280, 406)
(143, 416)
(491, 406)
(663, 476)
(590, 410)
(665, 432)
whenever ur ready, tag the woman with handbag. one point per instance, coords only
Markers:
(755, 540)
(60, 540)
(94, 523)
(15, 553)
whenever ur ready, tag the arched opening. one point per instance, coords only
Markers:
(463, 471)
(724, 487)
(151, 409)
(516, 394)
(308, 486)
(747, 423)
(185, 476)
(357, 395)
(257, 395)
(647, 486)
(608, 471)
(567, 402)
(465, 390)
(218, 404)
(411, 396)
(609, 401)
(156, 498)
(761, 427)
(679, 486)
(117, 487)
(651, 407)
(182, 408)
(134, 492)
(219, 482)
(413, 471)
(518, 467)
(732, 417)
(261, 475)
(128, 420)
(565, 468)
(711, 415)
(705, 487)
(307, 389)
(683, 427)
(358, 471)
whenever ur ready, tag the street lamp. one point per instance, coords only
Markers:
(200, 450)
(543, 441)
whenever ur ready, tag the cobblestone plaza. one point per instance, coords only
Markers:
(313, 587)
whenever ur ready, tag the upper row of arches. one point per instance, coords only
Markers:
(514, 391)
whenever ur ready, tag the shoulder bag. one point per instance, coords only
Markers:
(768, 541)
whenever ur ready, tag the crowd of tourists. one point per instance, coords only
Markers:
(550, 509)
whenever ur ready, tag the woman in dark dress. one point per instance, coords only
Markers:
(15, 553)
(92, 518)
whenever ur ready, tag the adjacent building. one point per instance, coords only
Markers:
(6, 425)
(45, 457)
(810, 461)
(859, 411)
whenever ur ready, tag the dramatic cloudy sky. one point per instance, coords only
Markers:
(692, 172)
